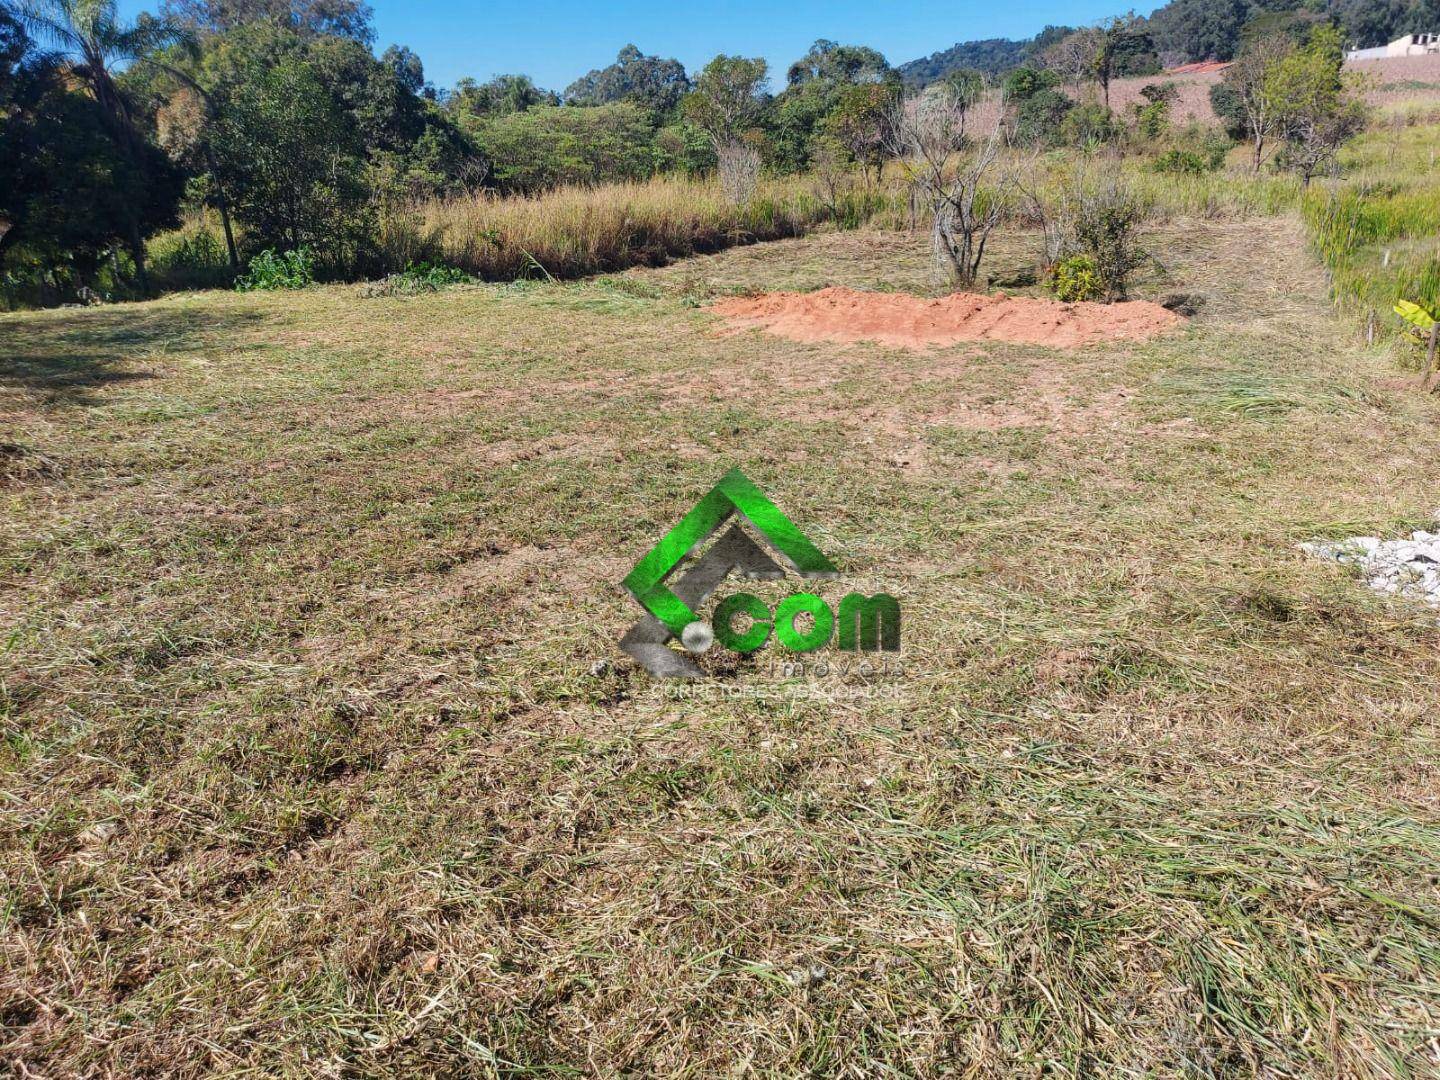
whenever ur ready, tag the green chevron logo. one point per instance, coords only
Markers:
(865, 622)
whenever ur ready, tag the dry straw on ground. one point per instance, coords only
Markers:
(318, 759)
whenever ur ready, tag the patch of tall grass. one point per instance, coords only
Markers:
(574, 231)
(1378, 231)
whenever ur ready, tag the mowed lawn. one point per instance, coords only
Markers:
(320, 759)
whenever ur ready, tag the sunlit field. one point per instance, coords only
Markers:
(321, 758)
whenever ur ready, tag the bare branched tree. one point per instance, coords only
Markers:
(956, 173)
(832, 177)
(738, 164)
(1073, 56)
(1251, 78)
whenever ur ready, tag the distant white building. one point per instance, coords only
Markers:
(1409, 45)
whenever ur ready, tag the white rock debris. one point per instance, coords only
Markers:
(1409, 568)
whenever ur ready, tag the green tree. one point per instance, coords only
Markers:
(1199, 29)
(728, 97)
(836, 64)
(1025, 82)
(91, 34)
(1250, 82)
(1122, 47)
(649, 81)
(295, 162)
(307, 18)
(66, 190)
(818, 82)
(556, 144)
(860, 120)
(1313, 104)
(501, 95)
(727, 103)
(408, 70)
(1041, 117)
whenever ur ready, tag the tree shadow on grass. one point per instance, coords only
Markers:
(62, 361)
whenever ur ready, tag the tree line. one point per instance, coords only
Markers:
(278, 119)
(1186, 31)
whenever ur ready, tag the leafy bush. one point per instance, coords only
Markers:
(1024, 83)
(1075, 279)
(1231, 111)
(417, 278)
(1106, 219)
(1087, 124)
(1041, 115)
(1152, 120)
(1182, 163)
(292, 270)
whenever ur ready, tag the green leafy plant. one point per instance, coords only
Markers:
(1427, 330)
(432, 276)
(422, 277)
(1415, 315)
(1106, 221)
(1075, 279)
(267, 271)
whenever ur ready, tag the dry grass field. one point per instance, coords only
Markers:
(319, 758)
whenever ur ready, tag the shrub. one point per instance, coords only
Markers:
(1088, 124)
(1024, 83)
(417, 278)
(1075, 279)
(1041, 115)
(1152, 120)
(1182, 163)
(1229, 108)
(292, 270)
(1106, 217)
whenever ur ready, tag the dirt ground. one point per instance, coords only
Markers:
(320, 759)
(913, 322)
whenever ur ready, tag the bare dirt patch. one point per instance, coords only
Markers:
(898, 319)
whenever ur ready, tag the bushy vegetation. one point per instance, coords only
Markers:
(192, 257)
(416, 279)
(577, 230)
(1376, 231)
(284, 132)
(1075, 278)
(270, 270)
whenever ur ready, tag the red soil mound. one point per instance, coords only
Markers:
(839, 314)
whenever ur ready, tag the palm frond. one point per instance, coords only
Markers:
(49, 21)
(148, 35)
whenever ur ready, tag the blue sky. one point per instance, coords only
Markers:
(554, 41)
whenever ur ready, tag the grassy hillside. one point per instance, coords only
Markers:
(1398, 87)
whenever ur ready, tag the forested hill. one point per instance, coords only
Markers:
(991, 56)
(1188, 30)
